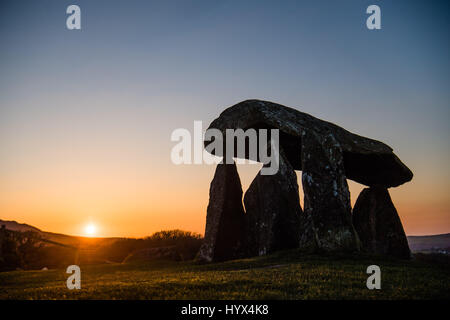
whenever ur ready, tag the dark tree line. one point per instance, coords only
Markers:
(19, 249)
(185, 243)
(29, 251)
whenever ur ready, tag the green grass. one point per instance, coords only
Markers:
(284, 275)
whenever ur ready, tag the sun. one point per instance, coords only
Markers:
(90, 229)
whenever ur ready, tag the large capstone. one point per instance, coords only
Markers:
(327, 222)
(225, 216)
(273, 209)
(366, 161)
(377, 222)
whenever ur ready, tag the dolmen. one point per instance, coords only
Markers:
(270, 218)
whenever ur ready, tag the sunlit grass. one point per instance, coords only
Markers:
(286, 275)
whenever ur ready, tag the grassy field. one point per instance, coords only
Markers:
(285, 275)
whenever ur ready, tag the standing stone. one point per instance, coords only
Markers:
(378, 224)
(225, 216)
(272, 211)
(327, 221)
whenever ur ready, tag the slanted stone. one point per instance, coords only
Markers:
(366, 161)
(225, 216)
(327, 221)
(377, 222)
(272, 207)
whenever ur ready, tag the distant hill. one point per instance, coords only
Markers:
(427, 244)
(60, 238)
(435, 243)
(15, 226)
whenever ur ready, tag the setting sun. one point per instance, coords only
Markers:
(90, 230)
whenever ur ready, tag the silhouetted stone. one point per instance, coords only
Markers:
(378, 224)
(366, 161)
(328, 155)
(272, 207)
(327, 222)
(225, 216)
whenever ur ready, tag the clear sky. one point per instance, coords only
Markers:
(86, 115)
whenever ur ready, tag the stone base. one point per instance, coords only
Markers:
(327, 222)
(272, 211)
(377, 222)
(225, 222)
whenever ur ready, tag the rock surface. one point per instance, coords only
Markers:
(273, 209)
(225, 216)
(366, 161)
(327, 221)
(377, 222)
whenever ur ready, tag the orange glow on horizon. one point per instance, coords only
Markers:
(129, 205)
(90, 230)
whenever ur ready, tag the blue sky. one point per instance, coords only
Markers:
(106, 98)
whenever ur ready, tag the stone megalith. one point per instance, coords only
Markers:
(328, 155)
(366, 161)
(272, 206)
(225, 222)
(378, 224)
(327, 220)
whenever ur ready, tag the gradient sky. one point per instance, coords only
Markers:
(86, 116)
